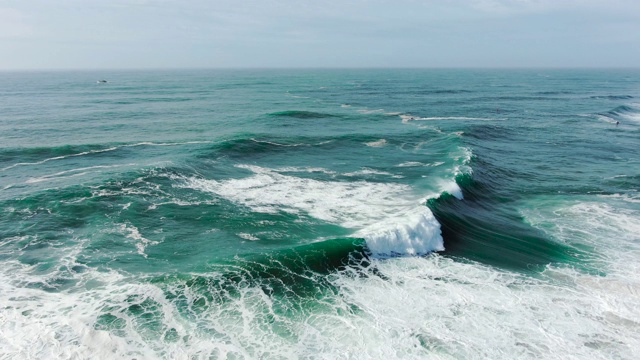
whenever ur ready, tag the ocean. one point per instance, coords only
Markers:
(320, 214)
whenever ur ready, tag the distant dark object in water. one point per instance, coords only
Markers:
(101, 81)
(617, 123)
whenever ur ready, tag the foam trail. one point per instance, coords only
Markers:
(58, 158)
(133, 233)
(101, 151)
(148, 143)
(278, 144)
(73, 172)
(408, 118)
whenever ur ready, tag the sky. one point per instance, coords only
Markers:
(148, 34)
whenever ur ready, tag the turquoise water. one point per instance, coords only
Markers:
(320, 214)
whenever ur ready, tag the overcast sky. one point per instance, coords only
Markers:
(94, 34)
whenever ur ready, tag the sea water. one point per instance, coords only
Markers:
(320, 214)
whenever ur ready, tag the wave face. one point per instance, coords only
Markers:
(319, 214)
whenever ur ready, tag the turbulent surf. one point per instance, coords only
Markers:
(320, 214)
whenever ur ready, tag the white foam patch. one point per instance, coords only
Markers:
(367, 171)
(368, 111)
(181, 202)
(378, 143)
(248, 236)
(411, 164)
(370, 209)
(452, 188)
(73, 173)
(133, 233)
(149, 143)
(307, 169)
(58, 158)
(419, 164)
(407, 118)
(611, 227)
(607, 119)
(400, 308)
(64, 325)
(278, 144)
(634, 115)
(91, 152)
(463, 157)
(436, 308)
(415, 232)
(624, 197)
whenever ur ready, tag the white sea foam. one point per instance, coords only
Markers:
(52, 325)
(278, 144)
(580, 223)
(464, 157)
(634, 114)
(102, 151)
(409, 308)
(378, 111)
(605, 118)
(368, 111)
(452, 188)
(52, 177)
(248, 236)
(379, 143)
(133, 233)
(396, 308)
(307, 169)
(411, 164)
(437, 308)
(73, 172)
(378, 212)
(149, 143)
(624, 197)
(414, 232)
(58, 158)
(297, 96)
(367, 171)
(407, 118)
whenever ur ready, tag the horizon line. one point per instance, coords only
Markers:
(325, 68)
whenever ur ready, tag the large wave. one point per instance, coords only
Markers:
(385, 214)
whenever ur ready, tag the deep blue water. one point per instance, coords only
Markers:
(248, 214)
